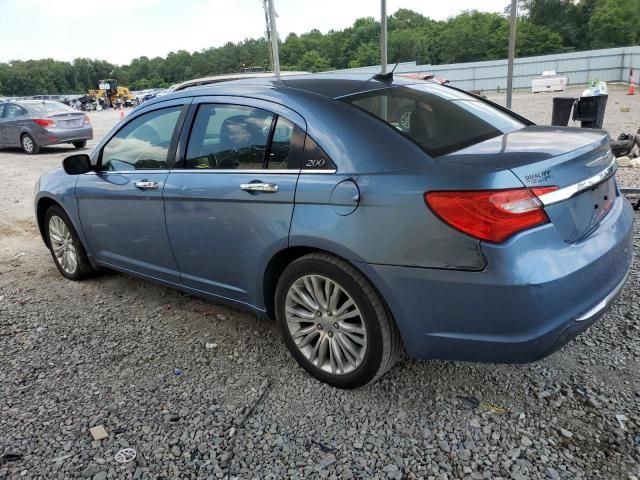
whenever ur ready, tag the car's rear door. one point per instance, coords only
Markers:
(230, 198)
(121, 207)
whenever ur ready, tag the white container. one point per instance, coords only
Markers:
(549, 81)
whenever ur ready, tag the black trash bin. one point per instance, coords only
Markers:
(562, 111)
(590, 111)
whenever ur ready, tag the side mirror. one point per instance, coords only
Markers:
(77, 164)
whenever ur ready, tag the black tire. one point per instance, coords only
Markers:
(384, 344)
(84, 268)
(29, 145)
(81, 144)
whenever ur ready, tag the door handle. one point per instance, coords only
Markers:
(145, 185)
(259, 187)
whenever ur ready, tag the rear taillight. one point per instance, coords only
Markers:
(87, 120)
(44, 122)
(491, 215)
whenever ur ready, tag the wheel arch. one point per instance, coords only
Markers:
(283, 258)
(44, 204)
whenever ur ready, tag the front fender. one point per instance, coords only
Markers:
(56, 187)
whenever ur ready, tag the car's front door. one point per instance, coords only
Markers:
(229, 201)
(121, 207)
(12, 120)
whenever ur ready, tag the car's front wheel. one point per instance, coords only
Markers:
(66, 248)
(81, 144)
(29, 145)
(334, 323)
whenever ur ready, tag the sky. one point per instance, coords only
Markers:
(126, 29)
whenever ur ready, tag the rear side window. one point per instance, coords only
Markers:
(285, 149)
(439, 120)
(228, 137)
(237, 137)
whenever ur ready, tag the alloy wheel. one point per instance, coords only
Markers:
(62, 245)
(27, 144)
(325, 324)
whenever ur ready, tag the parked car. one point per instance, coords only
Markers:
(57, 98)
(472, 234)
(32, 124)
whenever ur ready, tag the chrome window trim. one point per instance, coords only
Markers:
(255, 171)
(313, 170)
(238, 170)
(569, 191)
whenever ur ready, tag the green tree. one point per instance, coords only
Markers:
(615, 23)
(314, 62)
(474, 36)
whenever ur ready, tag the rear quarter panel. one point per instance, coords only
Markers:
(391, 224)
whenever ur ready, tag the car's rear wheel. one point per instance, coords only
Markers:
(81, 144)
(66, 248)
(29, 145)
(334, 323)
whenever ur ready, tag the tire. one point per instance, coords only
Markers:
(29, 145)
(374, 343)
(70, 243)
(81, 144)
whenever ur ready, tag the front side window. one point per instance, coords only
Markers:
(228, 137)
(438, 119)
(143, 143)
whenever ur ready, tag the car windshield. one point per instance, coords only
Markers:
(440, 120)
(48, 106)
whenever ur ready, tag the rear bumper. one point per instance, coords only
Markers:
(536, 293)
(58, 135)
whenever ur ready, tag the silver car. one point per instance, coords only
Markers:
(32, 124)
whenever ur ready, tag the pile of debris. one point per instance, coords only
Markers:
(626, 148)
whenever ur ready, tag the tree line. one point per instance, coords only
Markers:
(544, 27)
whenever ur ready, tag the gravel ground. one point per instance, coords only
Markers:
(204, 391)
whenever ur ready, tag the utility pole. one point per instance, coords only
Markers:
(512, 49)
(383, 36)
(274, 38)
(268, 31)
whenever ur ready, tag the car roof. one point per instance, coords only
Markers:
(329, 85)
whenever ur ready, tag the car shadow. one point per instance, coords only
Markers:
(46, 150)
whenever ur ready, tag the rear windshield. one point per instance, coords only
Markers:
(49, 106)
(439, 119)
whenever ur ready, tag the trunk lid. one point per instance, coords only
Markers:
(577, 161)
(68, 120)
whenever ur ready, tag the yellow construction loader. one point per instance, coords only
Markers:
(109, 94)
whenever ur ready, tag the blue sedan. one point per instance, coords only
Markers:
(367, 215)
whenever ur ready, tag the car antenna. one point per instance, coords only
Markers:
(386, 76)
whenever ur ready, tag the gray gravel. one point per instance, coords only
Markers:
(204, 391)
